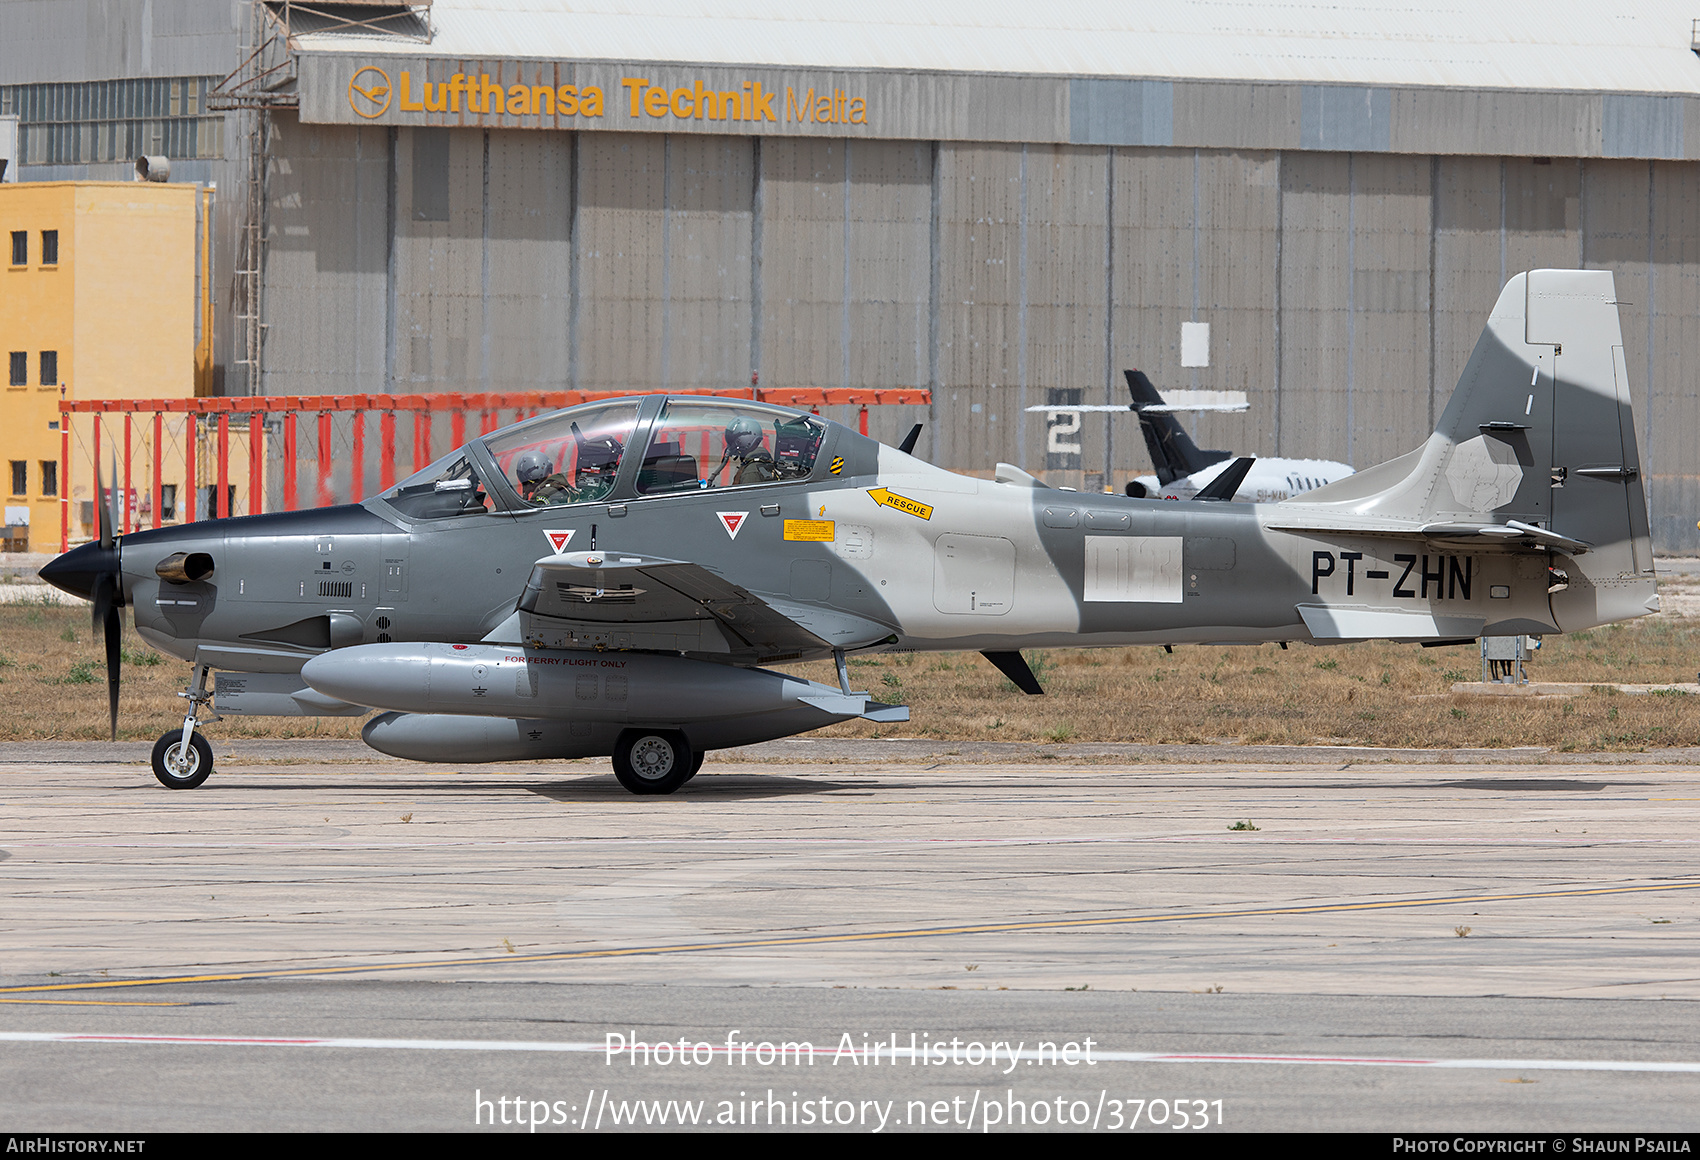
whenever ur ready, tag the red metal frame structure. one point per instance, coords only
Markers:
(489, 409)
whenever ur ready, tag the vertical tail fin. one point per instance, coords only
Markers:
(1539, 432)
(1173, 453)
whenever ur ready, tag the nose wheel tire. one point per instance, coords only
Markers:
(180, 768)
(653, 761)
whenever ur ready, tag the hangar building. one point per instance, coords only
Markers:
(1006, 203)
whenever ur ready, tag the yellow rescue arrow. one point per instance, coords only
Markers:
(891, 499)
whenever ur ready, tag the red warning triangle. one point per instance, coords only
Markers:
(558, 541)
(732, 521)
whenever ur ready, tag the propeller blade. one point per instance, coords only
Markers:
(100, 599)
(114, 627)
(112, 499)
(109, 622)
(108, 594)
(102, 503)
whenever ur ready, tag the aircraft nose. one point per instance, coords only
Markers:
(77, 570)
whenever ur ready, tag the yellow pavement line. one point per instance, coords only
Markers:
(865, 936)
(102, 1002)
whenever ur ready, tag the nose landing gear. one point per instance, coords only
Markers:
(181, 763)
(182, 758)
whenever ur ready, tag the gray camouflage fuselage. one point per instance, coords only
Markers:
(1532, 468)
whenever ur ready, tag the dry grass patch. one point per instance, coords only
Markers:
(1363, 694)
(53, 679)
(52, 674)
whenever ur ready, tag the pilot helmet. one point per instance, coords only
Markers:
(743, 435)
(532, 467)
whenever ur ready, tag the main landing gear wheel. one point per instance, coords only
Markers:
(653, 761)
(178, 768)
(696, 763)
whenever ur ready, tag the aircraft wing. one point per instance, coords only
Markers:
(1512, 534)
(628, 600)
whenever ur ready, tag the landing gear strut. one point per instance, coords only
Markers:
(182, 759)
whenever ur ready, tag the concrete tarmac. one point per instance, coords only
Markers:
(1475, 945)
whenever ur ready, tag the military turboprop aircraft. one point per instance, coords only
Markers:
(608, 579)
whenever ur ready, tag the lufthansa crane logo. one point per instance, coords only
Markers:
(369, 92)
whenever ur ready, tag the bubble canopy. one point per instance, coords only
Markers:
(616, 449)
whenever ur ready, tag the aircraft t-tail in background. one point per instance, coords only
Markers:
(611, 579)
(1184, 472)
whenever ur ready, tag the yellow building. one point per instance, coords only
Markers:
(103, 297)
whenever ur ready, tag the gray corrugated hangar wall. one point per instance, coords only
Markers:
(1344, 290)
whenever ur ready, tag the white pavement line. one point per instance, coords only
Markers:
(927, 1055)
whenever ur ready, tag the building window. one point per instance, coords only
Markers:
(50, 477)
(20, 477)
(20, 247)
(49, 247)
(104, 121)
(20, 368)
(50, 368)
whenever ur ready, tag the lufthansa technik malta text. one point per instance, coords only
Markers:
(750, 101)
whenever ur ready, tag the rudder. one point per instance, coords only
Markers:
(1596, 486)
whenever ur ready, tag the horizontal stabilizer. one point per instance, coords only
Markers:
(1118, 409)
(1077, 408)
(1228, 402)
(1509, 536)
(1511, 530)
(1332, 622)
